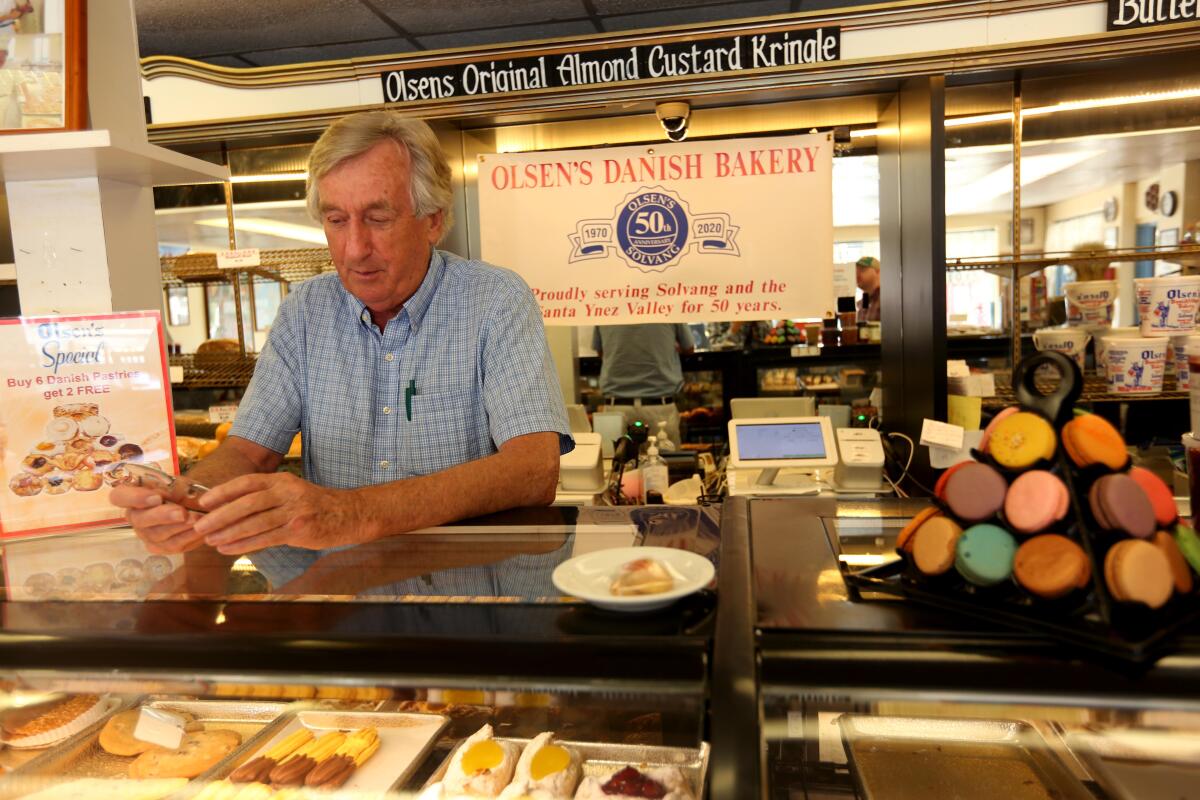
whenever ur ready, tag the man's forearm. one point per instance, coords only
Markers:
(227, 462)
(526, 475)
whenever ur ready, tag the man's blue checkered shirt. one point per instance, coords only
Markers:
(470, 342)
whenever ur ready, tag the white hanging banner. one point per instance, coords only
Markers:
(728, 230)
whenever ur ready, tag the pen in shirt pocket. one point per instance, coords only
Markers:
(409, 393)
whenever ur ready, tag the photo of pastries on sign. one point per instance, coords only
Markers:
(127, 576)
(78, 452)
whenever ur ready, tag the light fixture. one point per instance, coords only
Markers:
(269, 178)
(269, 227)
(999, 182)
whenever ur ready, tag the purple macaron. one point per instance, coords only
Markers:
(974, 492)
(1119, 504)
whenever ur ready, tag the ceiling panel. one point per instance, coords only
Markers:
(192, 28)
(694, 14)
(501, 35)
(328, 52)
(441, 17)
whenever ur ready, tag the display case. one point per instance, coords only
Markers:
(424, 638)
(872, 697)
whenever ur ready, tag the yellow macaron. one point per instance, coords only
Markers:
(1021, 440)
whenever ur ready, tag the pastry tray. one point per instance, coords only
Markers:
(405, 739)
(82, 757)
(599, 759)
(1126, 776)
(920, 757)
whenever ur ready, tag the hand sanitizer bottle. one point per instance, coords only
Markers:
(665, 445)
(654, 475)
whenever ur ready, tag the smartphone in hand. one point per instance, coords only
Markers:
(173, 488)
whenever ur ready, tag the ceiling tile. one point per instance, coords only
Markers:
(230, 61)
(192, 27)
(443, 16)
(524, 33)
(329, 52)
(694, 14)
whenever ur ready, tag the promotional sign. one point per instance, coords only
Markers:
(1126, 14)
(727, 230)
(79, 396)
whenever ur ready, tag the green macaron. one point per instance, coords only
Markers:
(1189, 545)
(984, 554)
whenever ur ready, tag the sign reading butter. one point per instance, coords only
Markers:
(735, 229)
(1125, 14)
(79, 397)
(614, 65)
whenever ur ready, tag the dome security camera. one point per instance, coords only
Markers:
(674, 119)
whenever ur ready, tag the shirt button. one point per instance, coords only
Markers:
(387, 409)
(389, 357)
(384, 464)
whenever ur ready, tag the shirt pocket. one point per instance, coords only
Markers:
(445, 429)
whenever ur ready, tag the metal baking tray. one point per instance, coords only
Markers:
(1136, 772)
(82, 756)
(916, 758)
(403, 735)
(601, 759)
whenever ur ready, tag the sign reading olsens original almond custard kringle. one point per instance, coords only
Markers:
(79, 397)
(724, 230)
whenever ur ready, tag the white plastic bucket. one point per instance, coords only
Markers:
(1135, 365)
(1182, 346)
(1090, 303)
(1102, 345)
(1167, 305)
(1070, 342)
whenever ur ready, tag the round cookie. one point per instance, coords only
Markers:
(987, 432)
(1119, 504)
(116, 736)
(26, 484)
(1021, 440)
(1189, 545)
(1162, 499)
(940, 487)
(1091, 439)
(1051, 566)
(196, 753)
(1036, 500)
(933, 545)
(1179, 566)
(984, 554)
(905, 537)
(1138, 572)
(974, 492)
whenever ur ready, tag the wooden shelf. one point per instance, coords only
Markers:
(280, 265)
(84, 154)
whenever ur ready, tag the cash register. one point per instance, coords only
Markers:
(802, 456)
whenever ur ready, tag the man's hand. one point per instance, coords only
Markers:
(252, 512)
(165, 527)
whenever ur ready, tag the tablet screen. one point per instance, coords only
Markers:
(792, 440)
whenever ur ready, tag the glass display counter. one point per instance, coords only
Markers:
(877, 698)
(418, 641)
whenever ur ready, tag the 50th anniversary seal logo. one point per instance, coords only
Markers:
(651, 230)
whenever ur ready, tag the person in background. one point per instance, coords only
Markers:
(421, 382)
(866, 275)
(640, 371)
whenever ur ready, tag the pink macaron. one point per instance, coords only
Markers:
(1035, 501)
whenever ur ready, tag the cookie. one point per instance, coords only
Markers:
(196, 753)
(1091, 439)
(1161, 496)
(117, 735)
(974, 492)
(904, 539)
(87, 481)
(1180, 570)
(1120, 504)
(1036, 500)
(933, 545)
(1051, 566)
(1138, 572)
(37, 463)
(1021, 440)
(984, 554)
(58, 482)
(26, 484)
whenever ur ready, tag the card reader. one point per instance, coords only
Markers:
(860, 462)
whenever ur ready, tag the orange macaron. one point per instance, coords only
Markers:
(1091, 439)
(1161, 496)
(904, 539)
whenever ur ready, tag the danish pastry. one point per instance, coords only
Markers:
(93, 426)
(68, 461)
(26, 485)
(60, 429)
(58, 482)
(88, 481)
(37, 464)
(81, 445)
(77, 411)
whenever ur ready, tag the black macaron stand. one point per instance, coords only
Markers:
(1089, 618)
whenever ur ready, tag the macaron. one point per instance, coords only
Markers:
(1091, 439)
(1036, 500)
(1119, 504)
(987, 432)
(1021, 439)
(1180, 570)
(905, 537)
(1138, 572)
(940, 486)
(1051, 566)
(1189, 544)
(984, 554)
(933, 545)
(974, 492)
(1162, 499)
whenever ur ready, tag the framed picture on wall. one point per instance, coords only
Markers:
(1026, 231)
(178, 310)
(1168, 237)
(43, 65)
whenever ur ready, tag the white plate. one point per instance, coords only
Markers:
(589, 576)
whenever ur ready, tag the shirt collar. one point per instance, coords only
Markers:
(417, 305)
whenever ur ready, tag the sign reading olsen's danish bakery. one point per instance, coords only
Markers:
(80, 396)
(614, 65)
(723, 230)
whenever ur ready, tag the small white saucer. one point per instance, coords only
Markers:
(590, 575)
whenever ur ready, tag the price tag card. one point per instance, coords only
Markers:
(78, 396)
(176, 374)
(159, 727)
(238, 259)
(941, 434)
(220, 414)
